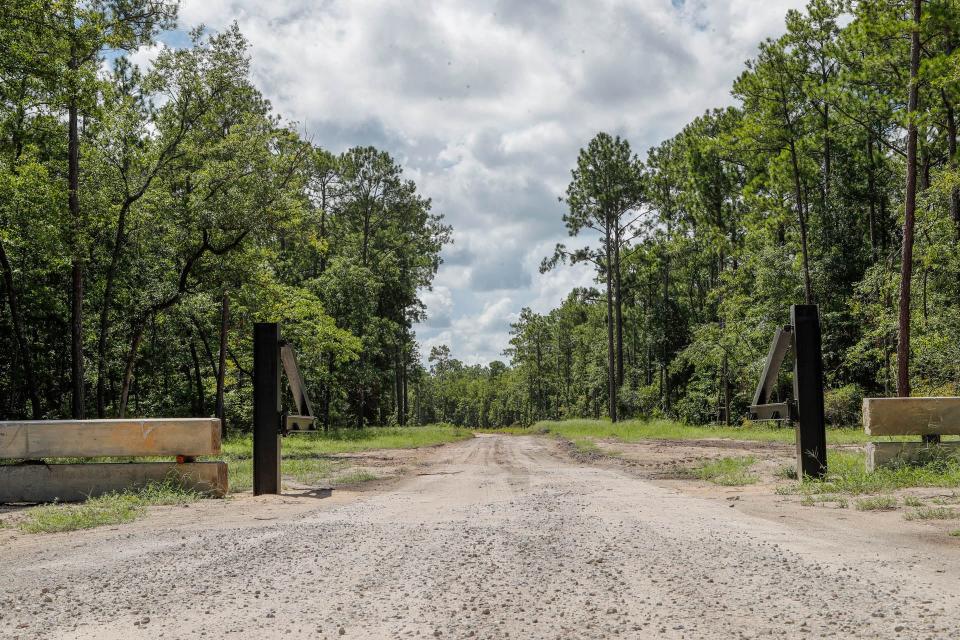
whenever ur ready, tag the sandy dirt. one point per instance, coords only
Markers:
(495, 537)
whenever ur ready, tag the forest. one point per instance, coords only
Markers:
(833, 181)
(149, 216)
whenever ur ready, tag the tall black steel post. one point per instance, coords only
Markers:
(266, 408)
(808, 391)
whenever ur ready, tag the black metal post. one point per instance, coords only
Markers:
(266, 408)
(808, 391)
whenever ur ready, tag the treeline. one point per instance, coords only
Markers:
(833, 181)
(149, 216)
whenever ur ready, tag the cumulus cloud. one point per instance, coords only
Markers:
(486, 103)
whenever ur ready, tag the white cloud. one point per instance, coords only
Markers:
(486, 103)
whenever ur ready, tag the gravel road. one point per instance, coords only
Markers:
(498, 537)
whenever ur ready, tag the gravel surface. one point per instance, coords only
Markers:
(499, 537)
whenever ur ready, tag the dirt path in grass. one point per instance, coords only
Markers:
(494, 537)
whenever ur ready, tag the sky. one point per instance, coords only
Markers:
(486, 103)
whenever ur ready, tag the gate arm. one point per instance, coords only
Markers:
(779, 346)
(295, 380)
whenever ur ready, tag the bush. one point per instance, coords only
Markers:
(842, 406)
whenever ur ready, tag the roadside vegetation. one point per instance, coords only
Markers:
(108, 509)
(728, 472)
(659, 429)
(847, 475)
(315, 458)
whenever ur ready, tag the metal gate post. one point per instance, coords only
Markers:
(266, 408)
(808, 391)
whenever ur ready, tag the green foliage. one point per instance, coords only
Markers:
(108, 509)
(312, 458)
(843, 405)
(660, 429)
(794, 194)
(848, 475)
(729, 472)
(932, 513)
(200, 212)
(877, 503)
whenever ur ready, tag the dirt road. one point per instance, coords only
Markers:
(497, 537)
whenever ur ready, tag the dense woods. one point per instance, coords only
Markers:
(833, 180)
(149, 216)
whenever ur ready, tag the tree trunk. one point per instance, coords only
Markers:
(200, 408)
(105, 309)
(664, 342)
(952, 159)
(611, 356)
(404, 396)
(910, 204)
(802, 219)
(398, 386)
(827, 159)
(872, 189)
(135, 341)
(23, 346)
(725, 375)
(76, 267)
(222, 362)
(618, 299)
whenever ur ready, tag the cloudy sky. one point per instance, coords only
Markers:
(486, 103)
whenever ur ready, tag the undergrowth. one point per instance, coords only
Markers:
(108, 509)
(312, 458)
(848, 475)
(637, 430)
(730, 472)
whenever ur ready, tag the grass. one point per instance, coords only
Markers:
(729, 472)
(637, 430)
(108, 509)
(913, 501)
(877, 503)
(933, 513)
(811, 501)
(847, 475)
(354, 440)
(311, 459)
(786, 472)
(356, 477)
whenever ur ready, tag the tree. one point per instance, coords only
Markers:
(910, 206)
(86, 29)
(605, 192)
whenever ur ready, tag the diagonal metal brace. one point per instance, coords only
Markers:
(779, 346)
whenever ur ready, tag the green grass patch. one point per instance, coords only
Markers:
(588, 447)
(353, 440)
(108, 509)
(312, 458)
(729, 472)
(933, 513)
(877, 503)
(786, 472)
(356, 477)
(637, 430)
(913, 501)
(848, 475)
(813, 500)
